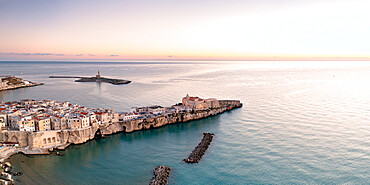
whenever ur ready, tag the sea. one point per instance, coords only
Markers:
(302, 122)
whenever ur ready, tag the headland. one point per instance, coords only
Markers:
(43, 126)
(9, 82)
(97, 78)
(34, 126)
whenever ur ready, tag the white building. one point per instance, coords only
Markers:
(179, 108)
(78, 122)
(133, 110)
(156, 109)
(26, 124)
(3, 121)
(3, 84)
(128, 116)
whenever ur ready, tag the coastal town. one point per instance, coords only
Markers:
(41, 126)
(9, 82)
(47, 115)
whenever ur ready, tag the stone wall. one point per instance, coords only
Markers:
(23, 138)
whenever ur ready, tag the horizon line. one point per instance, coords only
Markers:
(195, 59)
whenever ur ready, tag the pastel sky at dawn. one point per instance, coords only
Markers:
(185, 29)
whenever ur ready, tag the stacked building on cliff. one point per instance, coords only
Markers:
(46, 115)
(197, 103)
(36, 125)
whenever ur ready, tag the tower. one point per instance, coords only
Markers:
(98, 75)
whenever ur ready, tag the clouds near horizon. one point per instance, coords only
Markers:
(220, 29)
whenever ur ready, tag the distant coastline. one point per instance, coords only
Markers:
(9, 82)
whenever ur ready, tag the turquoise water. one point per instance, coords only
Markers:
(302, 123)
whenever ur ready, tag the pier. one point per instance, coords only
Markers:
(67, 77)
(161, 174)
(199, 151)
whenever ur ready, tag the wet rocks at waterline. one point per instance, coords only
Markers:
(161, 174)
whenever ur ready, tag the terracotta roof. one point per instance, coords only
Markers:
(194, 99)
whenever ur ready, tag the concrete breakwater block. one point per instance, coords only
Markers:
(199, 151)
(161, 174)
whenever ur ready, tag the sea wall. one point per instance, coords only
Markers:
(22, 138)
(49, 139)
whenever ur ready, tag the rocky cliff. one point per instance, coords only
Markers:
(159, 121)
(51, 139)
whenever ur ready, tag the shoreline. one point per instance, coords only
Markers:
(81, 136)
(22, 86)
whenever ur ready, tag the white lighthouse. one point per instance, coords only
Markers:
(98, 75)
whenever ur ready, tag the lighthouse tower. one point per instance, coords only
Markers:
(98, 75)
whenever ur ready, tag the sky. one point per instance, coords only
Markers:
(184, 29)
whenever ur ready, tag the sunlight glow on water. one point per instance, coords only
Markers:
(302, 123)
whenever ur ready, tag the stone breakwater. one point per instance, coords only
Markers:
(31, 142)
(96, 79)
(199, 151)
(161, 174)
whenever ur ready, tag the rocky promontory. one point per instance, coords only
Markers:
(32, 142)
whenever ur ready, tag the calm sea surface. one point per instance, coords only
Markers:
(302, 123)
